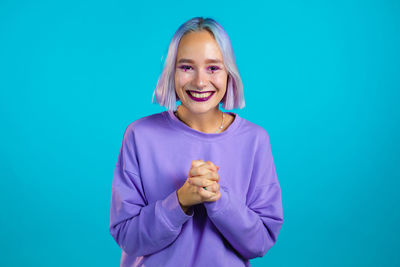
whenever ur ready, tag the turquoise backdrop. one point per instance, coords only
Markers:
(322, 77)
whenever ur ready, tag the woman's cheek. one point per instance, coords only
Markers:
(220, 81)
(183, 78)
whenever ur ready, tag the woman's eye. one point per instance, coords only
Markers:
(185, 67)
(213, 68)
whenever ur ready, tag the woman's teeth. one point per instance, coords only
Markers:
(204, 95)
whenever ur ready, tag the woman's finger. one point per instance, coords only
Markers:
(196, 163)
(212, 188)
(200, 182)
(204, 180)
(212, 165)
(214, 197)
(205, 194)
(202, 169)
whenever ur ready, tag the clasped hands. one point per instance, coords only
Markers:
(201, 174)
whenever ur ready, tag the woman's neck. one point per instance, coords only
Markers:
(208, 122)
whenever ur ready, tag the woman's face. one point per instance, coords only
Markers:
(200, 74)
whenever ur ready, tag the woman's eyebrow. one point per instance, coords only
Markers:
(210, 60)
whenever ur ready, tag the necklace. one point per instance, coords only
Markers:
(219, 128)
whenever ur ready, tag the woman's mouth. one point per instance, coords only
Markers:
(200, 96)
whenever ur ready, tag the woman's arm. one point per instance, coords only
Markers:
(251, 230)
(139, 227)
(251, 226)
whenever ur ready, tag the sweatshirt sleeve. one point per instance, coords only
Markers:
(251, 226)
(140, 228)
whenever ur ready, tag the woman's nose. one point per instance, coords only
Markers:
(201, 79)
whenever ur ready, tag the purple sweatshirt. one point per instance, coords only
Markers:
(147, 221)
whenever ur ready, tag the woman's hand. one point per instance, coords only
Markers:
(201, 174)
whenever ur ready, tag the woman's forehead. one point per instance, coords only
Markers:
(199, 45)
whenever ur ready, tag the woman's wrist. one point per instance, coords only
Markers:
(184, 207)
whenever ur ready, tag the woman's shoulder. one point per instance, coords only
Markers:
(253, 129)
(151, 120)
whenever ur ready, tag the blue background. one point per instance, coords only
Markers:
(322, 77)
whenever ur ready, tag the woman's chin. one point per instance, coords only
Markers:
(200, 109)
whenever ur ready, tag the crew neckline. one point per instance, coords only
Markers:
(176, 123)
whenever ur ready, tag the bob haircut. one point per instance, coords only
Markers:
(164, 93)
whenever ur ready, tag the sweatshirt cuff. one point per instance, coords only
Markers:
(215, 207)
(172, 211)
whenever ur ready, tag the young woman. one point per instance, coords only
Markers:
(195, 186)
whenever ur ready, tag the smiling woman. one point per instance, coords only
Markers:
(200, 80)
(193, 185)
